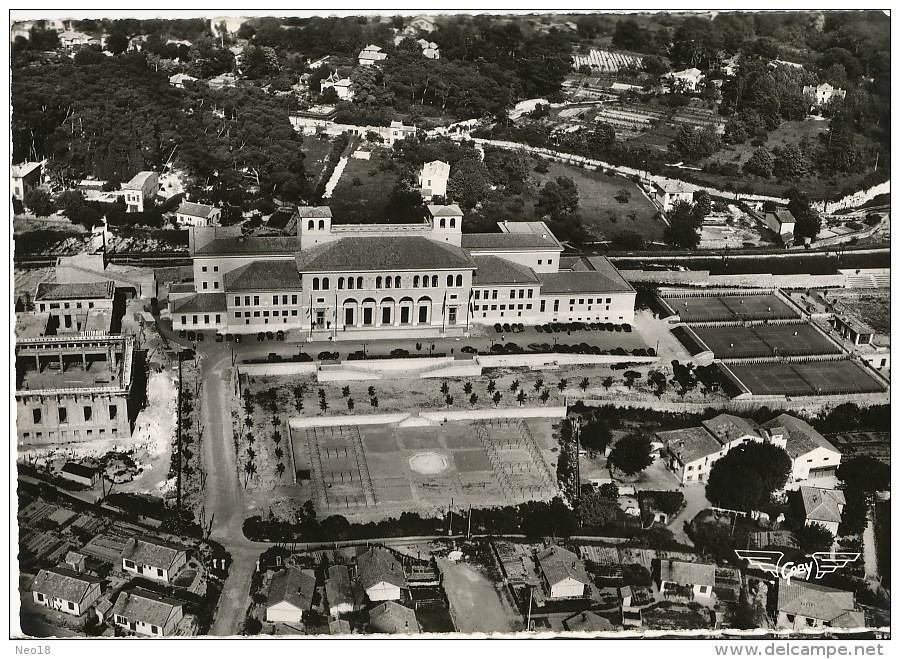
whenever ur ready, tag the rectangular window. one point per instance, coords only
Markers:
(608, 300)
(520, 307)
(206, 319)
(218, 318)
(581, 301)
(255, 300)
(36, 415)
(194, 320)
(590, 300)
(203, 269)
(88, 413)
(503, 307)
(274, 299)
(477, 295)
(512, 294)
(246, 300)
(493, 307)
(293, 299)
(256, 314)
(572, 301)
(63, 415)
(159, 572)
(237, 300)
(493, 295)
(154, 629)
(555, 306)
(284, 299)
(530, 291)
(215, 268)
(293, 312)
(528, 307)
(549, 261)
(276, 313)
(216, 285)
(543, 306)
(474, 307)
(265, 314)
(71, 606)
(540, 261)
(205, 285)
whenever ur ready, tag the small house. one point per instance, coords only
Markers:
(148, 614)
(342, 86)
(190, 214)
(79, 473)
(694, 580)
(339, 591)
(371, 54)
(853, 330)
(430, 49)
(141, 191)
(823, 93)
(393, 618)
(433, 179)
(420, 24)
(688, 79)
(25, 177)
(588, 621)
(562, 573)
(822, 506)
(152, 558)
(73, 39)
(64, 590)
(290, 595)
(380, 575)
(669, 193)
(812, 456)
(802, 604)
(179, 79)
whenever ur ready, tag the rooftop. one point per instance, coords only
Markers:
(379, 565)
(689, 444)
(580, 282)
(821, 505)
(338, 588)
(495, 270)
(517, 242)
(47, 291)
(294, 587)
(200, 303)
(444, 210)
(264, 276)
(803, 598)
(383, 253)
(801, 437)
(143, 606)
(79, 470)
(393, 618)
(856, 325)
(671, 187)
(138, 180)
(727, 427)
(313, 211)
(783, 217)
(435, 168)
(64, 584)
(150, 551)
(24, 169)
(243, 246)
(605, 267)
(682, 572)
(559, 564)
(195, 210)
(588, 621)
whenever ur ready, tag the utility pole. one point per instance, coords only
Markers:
(469, 529)
(530, 600)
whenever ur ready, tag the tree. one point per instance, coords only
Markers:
(467, 388)
(558, 199)
(808, 223)
(702, 205)
(521, 397)
(469, 182)
(491, 386)
(814, 537)
(323, 404)
(584, 384)
(609, 490)
(449, 400)
(746, 477)
(249, 470)
(350, 404)
(790, 162)
(595, 436)
(683, 229)
(545, 396)
(374, 401)
(40, 203)
(562, 384)
(623, 196)
(607, 382)
(513, 385)
(279, 469)
(345, 391)
(538, 384)
(657, 380)
(445, 388)
(630, 377)
(632, 453)
(760, 163)
(117, 42)
(88, 56)
(496, 398)
(473, 399)
(629, 239)
(594, 509)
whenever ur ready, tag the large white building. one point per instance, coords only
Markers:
(346, 281)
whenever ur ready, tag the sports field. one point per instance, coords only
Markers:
(803, 379)
(491, 462)
(765, 340)
(729, 307)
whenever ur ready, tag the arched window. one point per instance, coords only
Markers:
(449, 280)
(315, 283)
(459, 280)
(397, 281)
(321, 224)
(387, 282)
(350, 283)
(340, 283)
(359, 282)
(377, 282)
(452, 222)
(434, 281)
(443, 223)
(416, 281)
(324, 283)
(311, 225)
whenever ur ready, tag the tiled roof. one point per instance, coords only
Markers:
(783, 217)
(377, 565)
(508, 241)
(810, 600)
(264, 276)
(98, 290)
(195, 210)
(200, 303)
(727, 427)
(64, 584)
(495, 270)
(339, 627)
(337, 587)
(579, 282)
(24, 169)
(239, 245)
(588, 621)
(150, 551)
(313, 211)
(603, 265)
(294, 587)
(393, 618)
(689, 444)
(821, 505)
(383, 253)
(186, 287)
(436, 168)
(682, 572)
(559, 564)
(79, 470)
(801, 437)
(671, 186)
(446, 210)
(143, 606)
(137, 181)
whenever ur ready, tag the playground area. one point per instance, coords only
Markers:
(764, 340)
(719, 308)
(812, 378)
(479, 463)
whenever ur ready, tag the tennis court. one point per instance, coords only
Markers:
(803, 379)
(730, 307)
(765, 340)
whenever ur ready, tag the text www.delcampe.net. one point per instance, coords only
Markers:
(800, 650)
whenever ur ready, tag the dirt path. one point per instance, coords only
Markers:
(475, 604)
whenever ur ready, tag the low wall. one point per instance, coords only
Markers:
(554, 359)
(347, 420)
(764, 280)
(552, 412)
(278, 368)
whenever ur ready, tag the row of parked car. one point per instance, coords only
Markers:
(578, 348)
(191, 335)
(575, 327)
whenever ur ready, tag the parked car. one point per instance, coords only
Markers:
(238, 338)
(260, 336)
(626, 327)
(539, 328)
(270, 335)
(469, 349)
(498, 327)
(325, 355)
(182, 334)
(200, 336)
(399, 352)
(279, 335)
(191, 335)
(521, 327)
(219, 338)
(507, 328)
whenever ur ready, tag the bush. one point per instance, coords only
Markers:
(40, 203)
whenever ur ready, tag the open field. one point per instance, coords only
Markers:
(765, 340)
(871, 307)
(804, 379)
(316, 150)
(603, 215)
(367, 201)
(729, 307)
(481, 463)
(475, 602)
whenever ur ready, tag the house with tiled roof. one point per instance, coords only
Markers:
(381, 575)
(812, 456)
(190, 214)
(144, 613)
(65, 590)
(669, 192)
(588, 621)
(393, 618)
(681, 578)
(805, 604)
(371, 54)
(822, 506)
(25, 177)
(153, 558)
(140, 191)
(562, 573)
(290, 595)
(339, 591)
(822, 94)
(782, 223)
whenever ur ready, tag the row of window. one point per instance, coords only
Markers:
(63, 414)
(350, 283)
(265, 314)
(65, 305)
(275, 298)
(512, 307)
(206, 317)
(64, 434)
(203, 268)
(513, 294)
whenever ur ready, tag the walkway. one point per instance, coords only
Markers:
(694, 502)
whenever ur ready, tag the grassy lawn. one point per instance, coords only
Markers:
(364, 202)
(316, 150)
(603, 215)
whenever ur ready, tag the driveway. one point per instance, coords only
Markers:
(695, 501)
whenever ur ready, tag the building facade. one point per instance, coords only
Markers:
(25, 178)
(339, 281)
(140, 191)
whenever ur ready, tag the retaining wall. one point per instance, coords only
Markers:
(431, 418)
(278, 368)
(556, 359)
